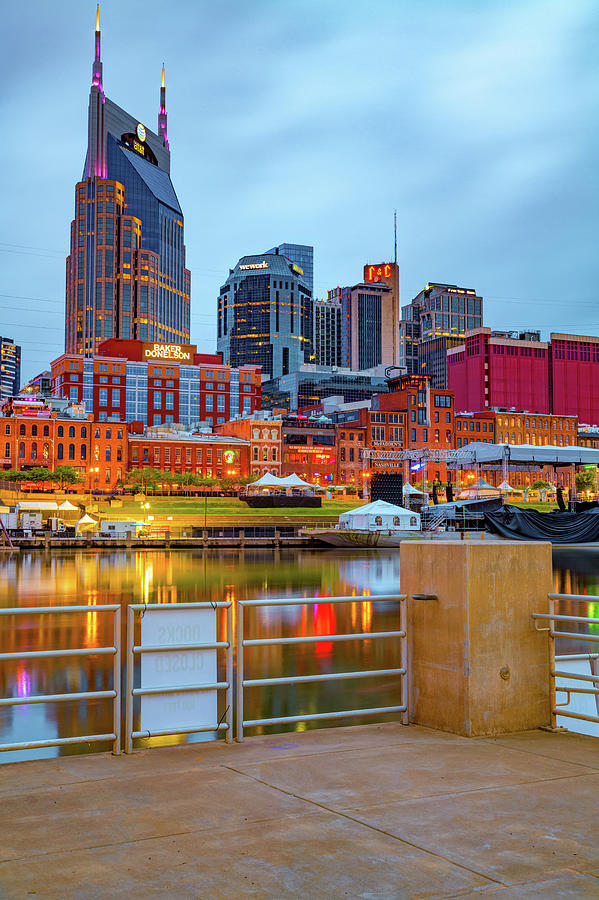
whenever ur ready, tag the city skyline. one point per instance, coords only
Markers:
(485, 149)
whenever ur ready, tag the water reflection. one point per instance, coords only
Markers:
(85, 578)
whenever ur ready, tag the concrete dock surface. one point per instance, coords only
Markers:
(376, 811)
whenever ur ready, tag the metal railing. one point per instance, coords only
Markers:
(134, 650)
(557, 709)
(243, 642)
(114, 694)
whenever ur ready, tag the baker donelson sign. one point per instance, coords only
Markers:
(176, 352)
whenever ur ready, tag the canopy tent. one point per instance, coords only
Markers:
(85, 520)
(504, 486)
(67, 506)
(290, 481)
(267, 480)
(380, 515)
(480, 488)
(411, 490)
(33, 505)
(295, 481)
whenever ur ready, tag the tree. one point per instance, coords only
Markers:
(585, 480)
(66, 475)
(540, 485)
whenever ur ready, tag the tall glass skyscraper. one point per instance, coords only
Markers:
(303, 256)
(126, 274)
(265, 315)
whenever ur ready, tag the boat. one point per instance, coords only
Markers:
(377, 524)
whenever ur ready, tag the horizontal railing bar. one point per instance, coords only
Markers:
(319, 638)
(567, 656)
(300, 601)
(53, 654)
(575, 636)
(58, 742)
(206, 604)
(573, 690)
(331, 676)
(222, 726)
(24, 610)
(570, 715)
(56, 698)
(565, 618)
(313, 717)
(180, 689)
(164, 648)
(582, 597)
(574, 677)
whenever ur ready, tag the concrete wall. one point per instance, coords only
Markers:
(478, 665)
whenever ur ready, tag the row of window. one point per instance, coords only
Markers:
(191, 454)
(486, 426)
(60, 451)
(265, 454)
(60, 431)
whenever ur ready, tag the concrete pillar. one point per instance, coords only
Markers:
(477, 664)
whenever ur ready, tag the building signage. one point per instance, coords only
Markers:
(170, 352)
(378, 273)
(260, 265)
(178, 668)
(141, 132)
(297, 269)
(230, 456)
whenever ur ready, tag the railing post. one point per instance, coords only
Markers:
(552, 689)
(239, 684)
(129, 681)
(229, 675)
(116, 707)
(404, 659)
(594, 661)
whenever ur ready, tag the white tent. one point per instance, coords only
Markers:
(267, 480)
(504, 486)
(67, 506)
(86, 520)
(33, 505)
(411, 490)
(295, 481)
(380, 515)
(481, 488)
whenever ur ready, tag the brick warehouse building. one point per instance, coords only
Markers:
(157, 384)
(264, 438)
(177, 451)
(520, 372)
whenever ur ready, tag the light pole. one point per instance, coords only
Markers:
(91, 475)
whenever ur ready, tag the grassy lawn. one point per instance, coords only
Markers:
(220, 506)
(540, 507)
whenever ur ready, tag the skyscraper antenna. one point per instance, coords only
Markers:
(395, 234)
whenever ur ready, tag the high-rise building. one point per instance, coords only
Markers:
(302, 255)
(10, 368)
(370, 325)
(265, 315)
(126, 274)
(433, 322)
(387, 274)
(328, 348)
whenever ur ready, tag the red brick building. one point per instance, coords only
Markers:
(264, 438)
(175, 451)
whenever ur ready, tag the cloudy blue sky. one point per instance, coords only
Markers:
(310, 121)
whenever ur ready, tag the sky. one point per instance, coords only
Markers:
(311, 121)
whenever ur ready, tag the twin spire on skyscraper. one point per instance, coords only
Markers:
(97, 82)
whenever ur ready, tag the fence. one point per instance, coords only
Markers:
(134, 650)
(243, 642)
(579, 680)
(114, 694)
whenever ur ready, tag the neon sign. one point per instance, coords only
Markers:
(141, 132)
(260, 265)
(181, 352)
(378, 273)
(229, 456)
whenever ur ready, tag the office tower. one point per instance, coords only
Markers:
(303, 257)
(126, 274)
(327, 332)
(433, 322)
(265, 315)
(10, 368)
(387, 274)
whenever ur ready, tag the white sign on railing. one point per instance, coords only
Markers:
(179, 668)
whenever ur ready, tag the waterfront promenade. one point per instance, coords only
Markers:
(376, 811)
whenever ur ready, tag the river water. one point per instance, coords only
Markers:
(88, 578)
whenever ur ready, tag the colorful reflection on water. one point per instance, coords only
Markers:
(34, 579)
